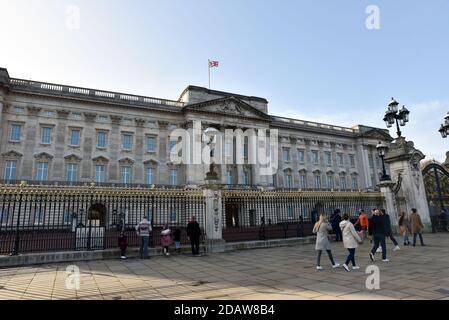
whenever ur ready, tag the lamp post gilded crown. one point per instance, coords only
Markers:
(393, 114)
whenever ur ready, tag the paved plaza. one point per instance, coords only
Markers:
(273, 273)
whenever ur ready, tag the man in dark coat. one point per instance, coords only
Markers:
(335, 220)
(194, 233)
(378, 229)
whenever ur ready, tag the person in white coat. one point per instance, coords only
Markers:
(350, 240)
(322, 228)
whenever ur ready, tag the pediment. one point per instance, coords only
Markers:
(43, 155)
(126, 160)
(72, 157)
(100, 159)
(230, 106)
(377, 134)
(12, 154)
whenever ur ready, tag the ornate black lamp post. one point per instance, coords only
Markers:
(382, 150)
(444, 129)
(393, 115)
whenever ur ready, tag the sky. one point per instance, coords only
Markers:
(314, 60)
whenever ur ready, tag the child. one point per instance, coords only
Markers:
(166, 239)
(177, 239)
(122, 244)
(322, 228)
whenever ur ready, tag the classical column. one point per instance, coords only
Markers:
(31, 137)
(1, 125)
(89, 135)
(60, 144)
(363, 166)
(139, 150)
(163, 153)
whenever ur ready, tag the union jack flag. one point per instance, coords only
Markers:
(213, 63)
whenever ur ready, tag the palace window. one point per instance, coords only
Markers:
(352, 160)
(290, 213)
(125, 174)
(101, 139)
(286, 154)
(173, 147)
(149, 175)
(127, 141)
(317, 181)
(355, 183)
(288, 180)
(42, 171)
(67, 218)
(343, 185)
(151, 144)
(315, 157)
(330, 182)
(72, 172)
(246, 179)
(328, 156)
(100, 173)
(173, 215)
(371, 160)
(46, 135)
(340, 159)
(229, 177)
(301, 156)
(10, 170)
(19, 110)
(174, 177)
(15, 132)
(75, 137)
(303, 181)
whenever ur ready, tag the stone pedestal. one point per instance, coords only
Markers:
(214, 223)
(386, 187)
(404, 160)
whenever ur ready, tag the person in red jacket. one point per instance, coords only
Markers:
(363, 222)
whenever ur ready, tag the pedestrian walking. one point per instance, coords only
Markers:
(389, 233)
(322, 228)
(143, 230)
(416, 226)
(404, 227)
(350, 241)
(122, 244)
(177, 239)
(377, 232)
(194, 233)
(363, 222)
(335, 220)
(166, 239)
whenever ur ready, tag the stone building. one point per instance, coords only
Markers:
(52, 132)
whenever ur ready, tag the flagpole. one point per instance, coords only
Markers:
(208, 67)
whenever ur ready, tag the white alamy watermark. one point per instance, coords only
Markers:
(231, 147)
(373, 280)
(72, 280)
(372, 22)
(72, 20)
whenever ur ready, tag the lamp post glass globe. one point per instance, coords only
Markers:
(382, 150)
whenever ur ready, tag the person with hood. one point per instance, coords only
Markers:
(194, 233)
(166, 239)
(322, 228)
(416, 226)
(362, 220)
(335, 222)
(404, 227)
(143, 230)
(389, 233)
(350, 241)
(122, 244)
(377, 231)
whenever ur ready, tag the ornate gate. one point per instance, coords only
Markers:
(436, 182)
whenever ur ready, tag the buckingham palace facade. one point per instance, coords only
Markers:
(58, 133)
